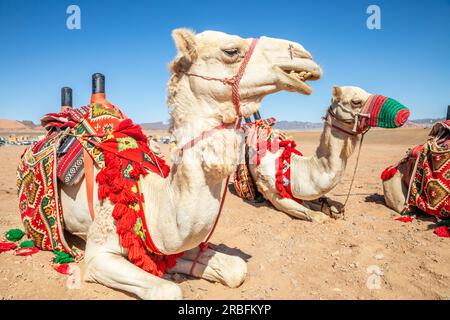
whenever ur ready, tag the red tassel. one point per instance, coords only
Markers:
(405, 219)
(7, 246)
(26, 251)
(62, 268)
(442, 232)
(126, 224)
(388, 173)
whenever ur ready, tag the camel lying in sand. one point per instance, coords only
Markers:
(314, 176)
(181, 209)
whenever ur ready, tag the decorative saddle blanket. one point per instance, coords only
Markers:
(39, 204)
(260, 138)
(120, 149)
(429, 188)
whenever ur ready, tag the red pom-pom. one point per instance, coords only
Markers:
(405, 219)
(26, 251)
(442, 232)
(388, 173)
(62, 268)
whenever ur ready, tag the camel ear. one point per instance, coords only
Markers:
(187, 49)
(337, 92)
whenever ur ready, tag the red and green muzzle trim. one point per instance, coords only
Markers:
(384, 112)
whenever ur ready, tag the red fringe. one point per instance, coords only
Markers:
(7, 246)
(114, 186)
(289, 148)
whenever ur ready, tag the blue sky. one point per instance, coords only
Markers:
(130, 42)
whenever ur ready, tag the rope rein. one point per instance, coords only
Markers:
(357, 130)
(353, 177)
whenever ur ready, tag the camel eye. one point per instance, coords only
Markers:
(356, 101)
(231, 52)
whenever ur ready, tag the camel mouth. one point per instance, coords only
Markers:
(295, 78)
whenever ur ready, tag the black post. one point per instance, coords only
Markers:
(247, 120)
(98, 83)
(66, 97)
(257, 115)
(448, 113)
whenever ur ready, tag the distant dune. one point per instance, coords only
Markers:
(12, 125)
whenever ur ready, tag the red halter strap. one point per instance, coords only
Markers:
(234, 82)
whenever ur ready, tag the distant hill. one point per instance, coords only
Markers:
(12, 125)
(27, 125)
(19, 126)
(298, 125)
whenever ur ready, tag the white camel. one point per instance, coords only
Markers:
(181, 209)
(316, 175)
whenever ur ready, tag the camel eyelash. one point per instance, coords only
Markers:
(231, 52)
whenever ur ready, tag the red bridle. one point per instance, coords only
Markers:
(358, 120)
(234, 82)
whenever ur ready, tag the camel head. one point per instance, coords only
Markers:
(201, 99)
(359, 110)
(275, 65)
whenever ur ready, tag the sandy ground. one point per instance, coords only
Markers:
(287, 258)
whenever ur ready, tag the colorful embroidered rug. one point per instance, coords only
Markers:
(429, 188)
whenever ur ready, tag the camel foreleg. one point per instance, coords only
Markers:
(115, 271)
(213, 266)
(297, 210)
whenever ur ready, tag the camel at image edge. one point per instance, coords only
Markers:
(182, 208)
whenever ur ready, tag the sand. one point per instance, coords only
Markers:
(366, 256)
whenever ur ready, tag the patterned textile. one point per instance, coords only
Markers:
(260, 138)
(39, 204)
(127, 157)
(121, 151)
(70, 168)
(243, 183)
(283, 174)
(429, 189)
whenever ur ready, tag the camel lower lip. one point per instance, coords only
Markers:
(296, 80)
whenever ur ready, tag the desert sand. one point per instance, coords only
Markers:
(287, 258)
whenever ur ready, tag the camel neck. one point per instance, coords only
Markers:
(333, 152)
(189, 205)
